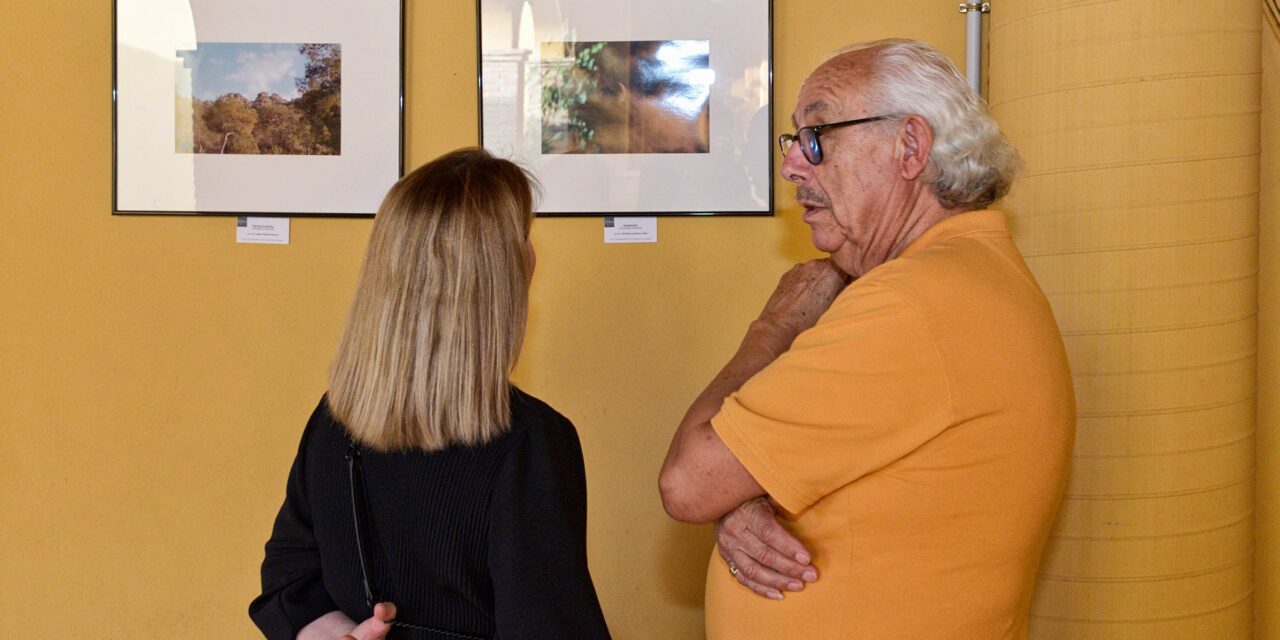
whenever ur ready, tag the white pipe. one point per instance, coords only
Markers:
(973, 49)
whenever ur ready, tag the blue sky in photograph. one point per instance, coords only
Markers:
(219, 68)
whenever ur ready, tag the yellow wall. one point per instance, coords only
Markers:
(1267, 561)
(1139, 215)
(156, 375)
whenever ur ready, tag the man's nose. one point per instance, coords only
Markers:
(794, 167)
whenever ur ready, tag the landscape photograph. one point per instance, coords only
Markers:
(259, 99)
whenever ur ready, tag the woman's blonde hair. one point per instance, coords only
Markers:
(439, 310)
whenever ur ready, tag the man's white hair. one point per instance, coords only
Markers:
(971, 164)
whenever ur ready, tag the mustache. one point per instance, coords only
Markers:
(805, 193)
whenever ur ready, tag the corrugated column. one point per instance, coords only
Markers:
(1267, 595)
(1138, 213)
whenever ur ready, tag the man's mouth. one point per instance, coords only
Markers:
(811, 210)
(812, 200)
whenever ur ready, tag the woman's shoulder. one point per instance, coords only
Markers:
(531, 418)
(530, 408)
(323, 429)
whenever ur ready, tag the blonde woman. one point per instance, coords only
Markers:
(424, 478)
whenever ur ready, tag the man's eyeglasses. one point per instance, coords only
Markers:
(808, 137)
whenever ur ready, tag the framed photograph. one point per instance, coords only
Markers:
(632, 107)
(265, 107)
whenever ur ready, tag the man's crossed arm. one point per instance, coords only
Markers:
(702, 481)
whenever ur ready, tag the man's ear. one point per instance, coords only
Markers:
(915, 141)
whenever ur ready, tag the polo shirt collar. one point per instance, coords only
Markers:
(960, 224)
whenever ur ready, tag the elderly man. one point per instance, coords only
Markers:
(905, 405)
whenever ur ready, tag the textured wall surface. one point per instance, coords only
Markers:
(1267, 561)
(1138, 213)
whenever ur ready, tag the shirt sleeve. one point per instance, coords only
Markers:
(538, 539)
(293, 592)
(861, 389)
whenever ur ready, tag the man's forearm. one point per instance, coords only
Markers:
(701, 480)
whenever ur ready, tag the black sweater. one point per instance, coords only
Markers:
(486, 541)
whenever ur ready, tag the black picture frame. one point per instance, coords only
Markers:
(153, 173)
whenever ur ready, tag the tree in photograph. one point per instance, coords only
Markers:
(281, 128)
(565, 87)
(203, 140)
(320, 95)
(230, 120)
(625, 97)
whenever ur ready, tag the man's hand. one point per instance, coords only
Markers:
(375, 627)
(762, 555)
(802, 295)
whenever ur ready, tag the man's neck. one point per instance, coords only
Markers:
(925, 212)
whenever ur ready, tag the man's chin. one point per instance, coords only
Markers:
(822, 242)
(842, 261)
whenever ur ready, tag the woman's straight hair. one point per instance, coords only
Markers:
(439, 309)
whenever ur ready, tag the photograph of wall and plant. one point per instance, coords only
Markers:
(626, 97)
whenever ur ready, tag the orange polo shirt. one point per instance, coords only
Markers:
(918, 438)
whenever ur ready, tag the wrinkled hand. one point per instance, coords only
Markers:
(768, 559)
(377, 626)
(803, 294)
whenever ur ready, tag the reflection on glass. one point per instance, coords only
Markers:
(626, 97)
(295, 108)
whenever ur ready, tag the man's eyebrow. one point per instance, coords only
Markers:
(816, 105)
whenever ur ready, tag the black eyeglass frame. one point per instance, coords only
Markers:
(810, 147)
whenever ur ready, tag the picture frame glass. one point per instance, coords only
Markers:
(632, 107)
(234, 107)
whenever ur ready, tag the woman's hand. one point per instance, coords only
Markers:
(375, 627)
(335, 623)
